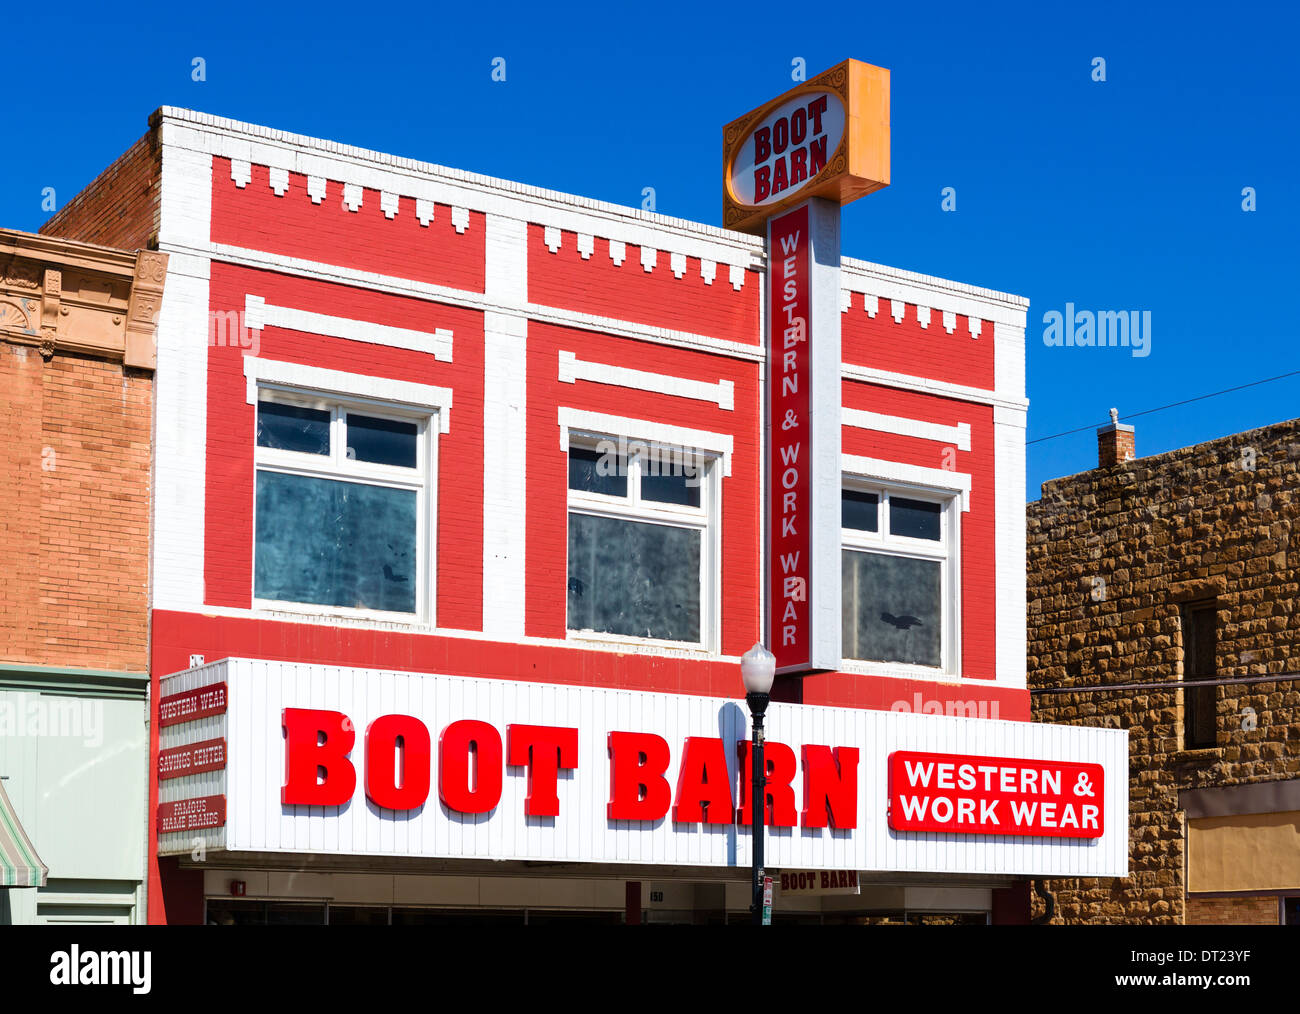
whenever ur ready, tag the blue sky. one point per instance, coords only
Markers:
(1117, 195)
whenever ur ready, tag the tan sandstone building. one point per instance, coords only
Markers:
(1162, 598)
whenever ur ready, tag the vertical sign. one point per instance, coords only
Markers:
(803, 386)
(788, 166)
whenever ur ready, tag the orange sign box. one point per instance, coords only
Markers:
(827, 137)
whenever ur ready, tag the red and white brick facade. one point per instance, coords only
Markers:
(519, 312)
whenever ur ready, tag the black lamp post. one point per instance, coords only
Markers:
(758, 669)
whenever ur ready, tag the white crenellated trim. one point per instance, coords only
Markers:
(438, 344)
(617, 252)
(553, 238)
(388, 203)
(352, 194)
(958, 435)
(460, 218)
(649, 258)
(241, 171)
(279, 181)
(572, 369)
(656, 433)
(586, 245)
(737, 276)
(928, 290)
(260, 372)
(416, 179)
(846, 300)
(871, 304)
(423, 211)
(976, 326)
(912, 475)
(949, 321)
(677, 263)
(708, 271)
(897, 308)
(923, 316)
(316, 189)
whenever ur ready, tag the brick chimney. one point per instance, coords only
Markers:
(1116, 443)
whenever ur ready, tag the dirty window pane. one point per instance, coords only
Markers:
(335, 543)
(916, 519)
(382, 441)
(634, 578)
(665, 479)
(892, 608)
(597, 471)
(293, 428)
(860, 511)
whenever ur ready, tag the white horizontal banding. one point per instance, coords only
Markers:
(258, 314)
(958, 435)
(313, 378)
(913, 475)
(662, 434)
(722, 393)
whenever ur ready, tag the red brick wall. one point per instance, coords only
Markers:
(881, 343)
(74, 533)
(120, 207)
(1231, 911)
(628, 292)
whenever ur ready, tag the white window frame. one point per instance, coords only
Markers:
(337, 466)
(632, 507)
(947, 550)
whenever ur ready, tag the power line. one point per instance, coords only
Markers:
(1176, 404)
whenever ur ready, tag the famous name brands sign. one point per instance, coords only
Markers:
(358, 762)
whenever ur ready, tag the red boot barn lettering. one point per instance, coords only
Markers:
(398, 772)
(788, 148)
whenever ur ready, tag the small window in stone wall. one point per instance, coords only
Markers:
(1200, 704)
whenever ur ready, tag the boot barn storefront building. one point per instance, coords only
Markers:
(460, 532)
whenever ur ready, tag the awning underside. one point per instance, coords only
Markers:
(20, 866)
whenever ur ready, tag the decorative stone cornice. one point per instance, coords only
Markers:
(58, 294)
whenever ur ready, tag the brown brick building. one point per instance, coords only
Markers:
(1163, 598)
(77, 344)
